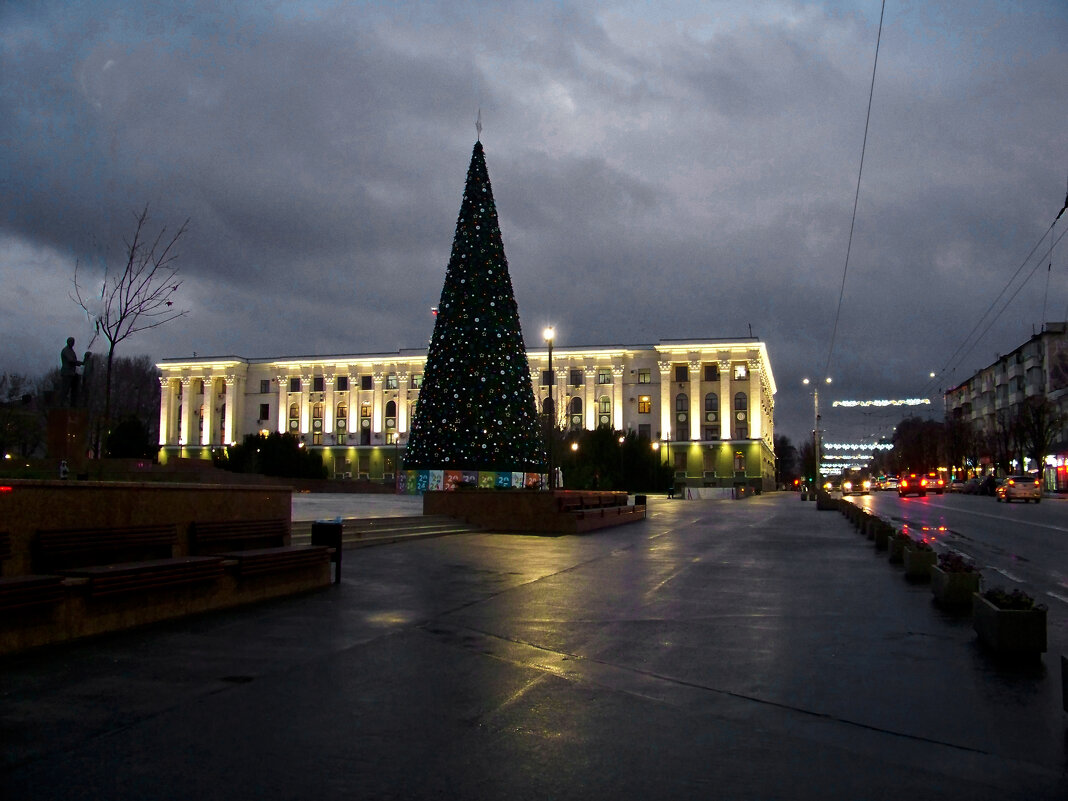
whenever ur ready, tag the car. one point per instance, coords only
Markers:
(1025, 488)
(988, 486)
(912, 484)
(935, 483)
(971, 486)
(856, 486)
(956, 485)
(891, 483)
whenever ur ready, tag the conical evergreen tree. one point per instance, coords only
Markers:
(476, 408)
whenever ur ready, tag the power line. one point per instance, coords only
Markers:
(856, 196)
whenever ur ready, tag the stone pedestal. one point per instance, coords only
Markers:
(68, 437)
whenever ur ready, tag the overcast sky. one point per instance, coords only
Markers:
(661, 170)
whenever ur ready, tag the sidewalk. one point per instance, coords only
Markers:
(720, 649)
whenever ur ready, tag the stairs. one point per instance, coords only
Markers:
(364, 532)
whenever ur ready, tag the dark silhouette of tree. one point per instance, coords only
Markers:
(785, 460)
(136, 297)
(1040, 425)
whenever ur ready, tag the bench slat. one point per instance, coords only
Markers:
(270, 560)
(152, 574)
(24, 592)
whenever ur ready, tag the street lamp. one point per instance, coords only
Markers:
(816, 427)
(549, 333)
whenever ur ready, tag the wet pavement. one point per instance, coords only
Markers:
(720, 649)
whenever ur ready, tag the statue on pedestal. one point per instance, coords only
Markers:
(68, 373)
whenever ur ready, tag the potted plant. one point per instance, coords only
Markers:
(954, 580)
(919, 558)
(896, 544)
(1009, 622)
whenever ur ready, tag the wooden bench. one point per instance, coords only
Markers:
(211, 537)
(121, 559)
(26, 592)
(257, 546)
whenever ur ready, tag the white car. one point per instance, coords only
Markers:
(1025, 488)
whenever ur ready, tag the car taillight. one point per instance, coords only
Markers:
(904, 483)
(923, 482)
(1012, 483)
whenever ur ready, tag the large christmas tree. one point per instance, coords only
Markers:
(476, 408)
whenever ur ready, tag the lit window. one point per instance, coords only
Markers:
(391, 381)
(741, 371)
(645, 404)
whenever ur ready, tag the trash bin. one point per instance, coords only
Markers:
(641, 500)
(328, 533)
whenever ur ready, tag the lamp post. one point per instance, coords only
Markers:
(816, 426)
(549, 333)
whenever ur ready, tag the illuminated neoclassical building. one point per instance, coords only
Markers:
(708, 403)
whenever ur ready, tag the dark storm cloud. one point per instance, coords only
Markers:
(680, 170)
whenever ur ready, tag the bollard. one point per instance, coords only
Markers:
(328, 533)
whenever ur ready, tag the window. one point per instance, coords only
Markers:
(417, 381)
(576, 378)
(294, 418)
(741, 371)
(645, 431)
(265, 411)
(294, 385)
(342, 415)
(741, 402)
(709, 460)
(547, 406)
(391, 414)
(367, 382)
(682, 373)
(741, 430)
(265, 386)
(711, 432)
(604, 375)
(680, 461)
(711, 372)
(343, 383)
(682, 403)
(574, 409)
(318, 384)
(739, 462)
(645, 375)
(317, 418)
(645, 404)
(547, 378)
(365, 409)
(605, 405)
(391, 381)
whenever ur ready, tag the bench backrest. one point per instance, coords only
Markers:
(5, 546)
(219, 536)
(63, 549)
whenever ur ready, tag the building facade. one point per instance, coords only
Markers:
(709, 403)
(992, 396)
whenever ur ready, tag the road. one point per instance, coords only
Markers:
(1016, 545)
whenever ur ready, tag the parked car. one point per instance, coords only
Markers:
(956, 485)
(1025, 488)
(912, 484)
(988, 486)
(971, 486)
(935, 483)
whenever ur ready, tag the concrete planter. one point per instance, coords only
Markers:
(896, 546)
(918, 564)
(882, 535)
(953, 589)
(1009, 631)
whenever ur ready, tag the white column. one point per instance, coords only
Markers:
(666, 405)
(559, 385)
(211, 423)
(164, 409)
(328, 404)
(283, 402)
(617, 397)
(589, 396)
(305, 401)
(377, 406)
(229, 432)
(756, 413)
(402, 402)
(186, 423)
(695, 400)
(726, 401)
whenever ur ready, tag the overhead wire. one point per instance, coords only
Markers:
(856, 196)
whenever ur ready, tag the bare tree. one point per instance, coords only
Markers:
(1040, 426)
(137, 297)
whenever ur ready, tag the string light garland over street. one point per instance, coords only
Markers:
(901, 402)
